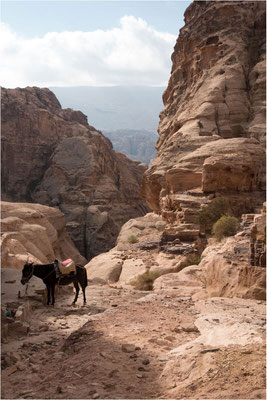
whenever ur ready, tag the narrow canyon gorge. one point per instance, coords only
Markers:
(198, 330)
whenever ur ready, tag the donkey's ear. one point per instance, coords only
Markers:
(29, 260)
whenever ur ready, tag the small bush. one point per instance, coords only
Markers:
(225, 226)
(145, 281)
(193, 259)
(132, 239)
(215, 210)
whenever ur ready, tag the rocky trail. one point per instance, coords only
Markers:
(135, 344)
(200, 333)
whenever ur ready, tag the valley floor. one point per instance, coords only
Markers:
(127, 344)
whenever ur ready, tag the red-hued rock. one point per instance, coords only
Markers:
(212, 128)
(52, 156)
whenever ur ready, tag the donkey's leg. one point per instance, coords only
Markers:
(53, 294)
(82, 278)
(83, 285)
(48, 294)
(76, 285)
(84, 298)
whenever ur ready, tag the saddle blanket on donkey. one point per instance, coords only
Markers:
(65, 267)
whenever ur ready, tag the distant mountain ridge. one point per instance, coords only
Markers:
(116, 107)
(137, 145)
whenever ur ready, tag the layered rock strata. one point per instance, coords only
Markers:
(234, 267)
(212, 129)
(227, 270)
(139, 250)
(211, 144)
(258, 239)
(36, 233)
(53, 157)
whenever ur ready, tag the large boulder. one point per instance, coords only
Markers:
(105, 268)
(137, 252)
(34, 232)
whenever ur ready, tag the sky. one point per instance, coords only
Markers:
(88, 43)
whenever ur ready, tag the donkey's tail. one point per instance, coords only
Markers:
(84, 274)
(85, 277)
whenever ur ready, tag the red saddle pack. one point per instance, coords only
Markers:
(67, 266)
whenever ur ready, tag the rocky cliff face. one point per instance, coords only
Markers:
(212, 129)
(211, 144)
(36, 232)
(236, 266)
(52, 156)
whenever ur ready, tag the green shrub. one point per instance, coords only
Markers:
(145, 281)
(132, 239)
(215, 210)
(225, 226)
(193, 259)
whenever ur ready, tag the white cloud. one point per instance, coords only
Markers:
(132, 54)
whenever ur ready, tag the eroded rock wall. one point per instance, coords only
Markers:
(237, 265)
(258, 239)
(53, 157)
(34, 232)
(212, 128)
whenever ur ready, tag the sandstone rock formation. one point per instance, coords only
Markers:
(36, 232)
(211, 144)
(185, 283)
(52, 156)
(227, 335)
(230, 268)
(258, 239)
(178, 342)
(129, 260)
(212, 129)
(236, 266)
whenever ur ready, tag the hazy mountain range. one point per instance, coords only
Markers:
(137, 145)
(116, 107)
(127, 115)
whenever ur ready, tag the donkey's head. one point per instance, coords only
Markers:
(27, 272)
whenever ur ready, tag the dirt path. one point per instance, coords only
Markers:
(120, 346)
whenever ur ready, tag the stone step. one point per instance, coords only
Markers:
(184, 232)
(189, 215)
(195, 193)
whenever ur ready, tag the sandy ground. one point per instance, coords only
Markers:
(127, 344)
